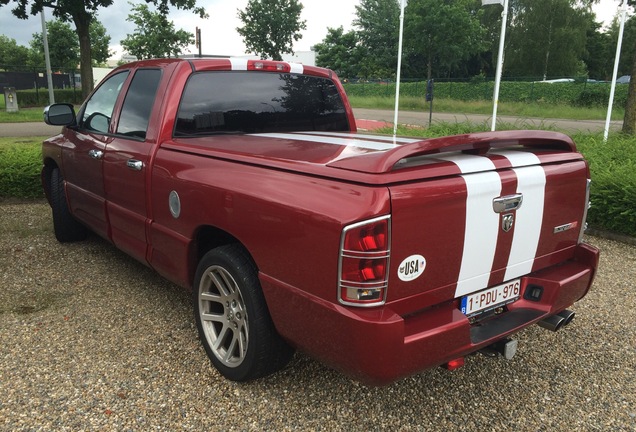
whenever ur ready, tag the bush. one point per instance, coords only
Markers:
(31, 98)
(612, 164)
(20, 166)
(613, 191)
(577, 94)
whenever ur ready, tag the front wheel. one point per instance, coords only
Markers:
(65, 226)
(234, 324)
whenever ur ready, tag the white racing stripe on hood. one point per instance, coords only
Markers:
(350, 141)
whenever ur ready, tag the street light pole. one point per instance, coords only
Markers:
(399, 68)
(623, 13)
(500, 57)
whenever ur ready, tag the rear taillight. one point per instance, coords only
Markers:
(364, 263)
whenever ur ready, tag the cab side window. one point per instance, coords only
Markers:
(135, 113)
(99, 108)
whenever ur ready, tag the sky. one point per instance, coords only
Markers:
(218, 32)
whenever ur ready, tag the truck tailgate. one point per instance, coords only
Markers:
(485, 226)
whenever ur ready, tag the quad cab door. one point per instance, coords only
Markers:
(126, 164)
(83, 155)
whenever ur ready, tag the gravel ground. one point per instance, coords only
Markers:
(92, 340)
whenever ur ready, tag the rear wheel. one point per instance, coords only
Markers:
(65, 226)
(234, 324)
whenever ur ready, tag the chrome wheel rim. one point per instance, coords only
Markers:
(223, 316)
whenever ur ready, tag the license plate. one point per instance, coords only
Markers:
(491, 298)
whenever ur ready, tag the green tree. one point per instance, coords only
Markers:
(270, 27)
(155, 36)
(629, 121)
(598, 53)
(99, 43)
(82, 13)
(340, 52)
(378, 24)
(63, 46)
(12, 55)
(547, 38)
(443, 33)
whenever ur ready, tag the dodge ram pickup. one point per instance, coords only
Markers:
(247, 182)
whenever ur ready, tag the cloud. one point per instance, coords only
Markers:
(218, 32)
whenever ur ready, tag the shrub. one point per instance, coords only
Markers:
(578, 94)
(20, 165)
(31, 98)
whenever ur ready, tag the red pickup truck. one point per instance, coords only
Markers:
(247, 182)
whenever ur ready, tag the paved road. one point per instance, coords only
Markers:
(405, 117)
(27, 129)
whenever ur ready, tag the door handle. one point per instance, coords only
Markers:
(507, 203)
(96, 154)
(135, 164)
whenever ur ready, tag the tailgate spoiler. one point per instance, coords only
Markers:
(475, 144)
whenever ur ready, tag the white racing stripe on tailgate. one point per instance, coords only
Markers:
(352, 142)
(480, 235)
(528, 220)
(482, 223)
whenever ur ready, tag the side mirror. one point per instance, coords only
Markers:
(59, 115)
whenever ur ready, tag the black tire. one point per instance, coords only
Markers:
(234, 324)
(65, 226)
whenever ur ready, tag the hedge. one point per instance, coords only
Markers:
(582, 94)
(612, 164)
(40, 98)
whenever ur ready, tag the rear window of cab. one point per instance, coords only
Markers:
(258, 102)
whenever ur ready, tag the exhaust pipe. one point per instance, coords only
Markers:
(557, 321)
(552, 323)
(567, 315)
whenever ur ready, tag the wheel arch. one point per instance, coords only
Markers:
(208, 237)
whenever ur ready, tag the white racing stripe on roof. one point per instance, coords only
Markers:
(383, 138)
(297, 68)
(345, 141)
(238, 64)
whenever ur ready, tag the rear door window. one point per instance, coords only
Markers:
(259, 102)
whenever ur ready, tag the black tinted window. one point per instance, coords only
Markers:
(256, 102)
(135, 112)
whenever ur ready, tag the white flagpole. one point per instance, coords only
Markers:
(615, 73)
(500, 58)
(399, 68)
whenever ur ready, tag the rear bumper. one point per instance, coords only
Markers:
(378, 346)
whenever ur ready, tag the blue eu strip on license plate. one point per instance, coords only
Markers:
(490, 298)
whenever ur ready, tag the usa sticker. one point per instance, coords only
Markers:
(411, 268)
